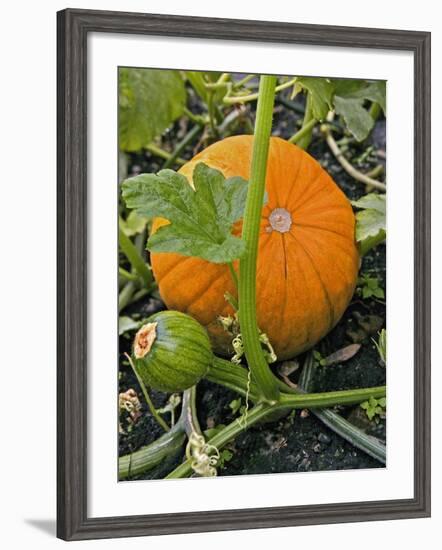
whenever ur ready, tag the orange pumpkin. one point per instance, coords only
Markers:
(307, 260)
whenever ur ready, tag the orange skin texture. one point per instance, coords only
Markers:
(305, 276)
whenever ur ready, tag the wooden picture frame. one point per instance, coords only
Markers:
(73, 28)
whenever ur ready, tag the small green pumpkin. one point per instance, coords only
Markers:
(171, 351)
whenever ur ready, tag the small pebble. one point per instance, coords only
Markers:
(323, 438)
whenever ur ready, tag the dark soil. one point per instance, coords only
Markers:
(299, 442)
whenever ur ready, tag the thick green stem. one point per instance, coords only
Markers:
(261, 410)
(367, 443)
(189, 418)
(134, 258)
(127, 275)
(196, 80)
(151, 455)
(331, 398)
(305, 130)
(225, 435)
(306, 137)
(250, 233)
(126, 294)
(235, 377)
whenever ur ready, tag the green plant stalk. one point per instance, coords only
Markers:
(139, 294)
(367, 443)
(158, 152)
(127, 275)
(197, 82)
(235, 377)
(252, 97)
(220, 83)
(244, 81)
(225, 435)
(305, 139)
(189, 417)
(304, 130)
(125, 295)
(376, 171)
(149, 402)
(200, 120)
(232, 376)
(211, 109)
(188, 138)
(134, 258)
(151, 455)
(261, 372)
(261, 410)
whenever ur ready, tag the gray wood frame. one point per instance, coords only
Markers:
(73, 28)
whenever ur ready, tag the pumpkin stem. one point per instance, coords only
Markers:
(144, 340)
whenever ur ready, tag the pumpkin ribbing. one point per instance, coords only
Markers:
(171, 351)
(307, 261)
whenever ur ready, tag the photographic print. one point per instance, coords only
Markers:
(252, 274)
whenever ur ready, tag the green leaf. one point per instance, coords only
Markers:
(358, 120)
(321, 94)
(347, 87)
(372, 200)
(212, 432)
(200, 219)
(149, 101)
(370, 287)
(371, 221)
(379, 293)
(373, 91)
(225, 456)
(349, 99)
(366, 292)
(126, 324)
(133, 224)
